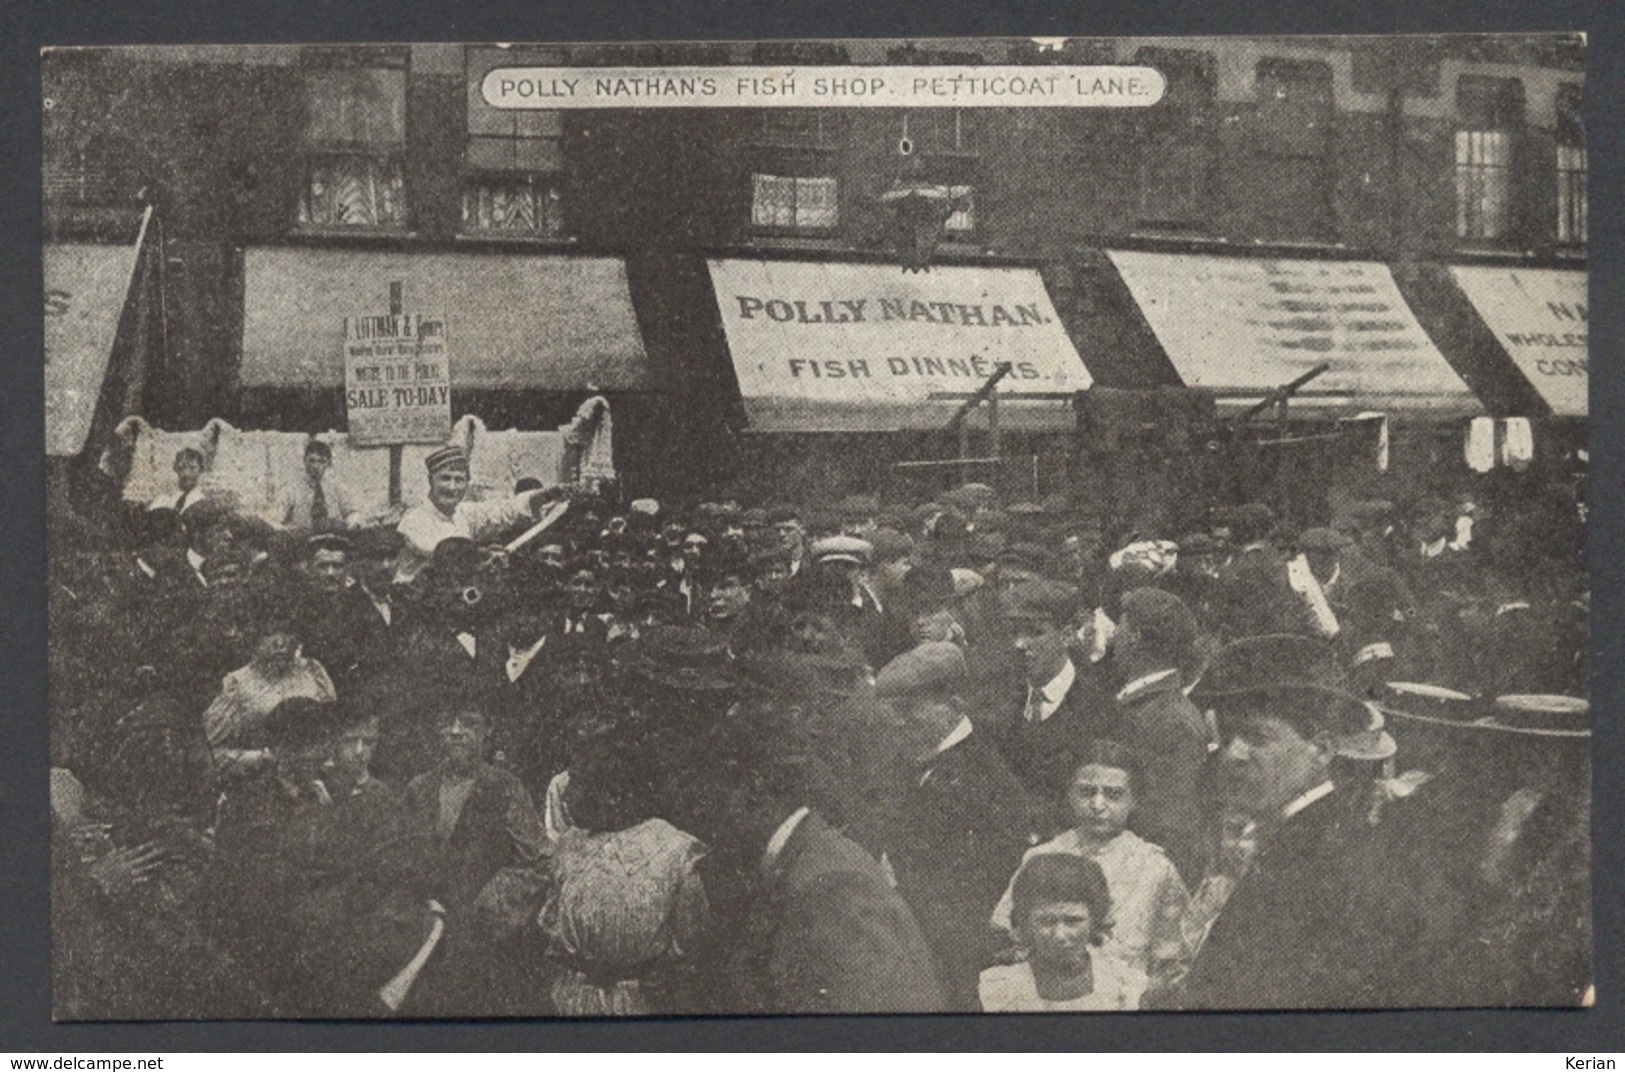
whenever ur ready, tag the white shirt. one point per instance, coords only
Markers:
(1139, 684)
(196, 560)
(1304, 800)
(781, 837)
(1054, 691)
(959, 733)
(424, 526)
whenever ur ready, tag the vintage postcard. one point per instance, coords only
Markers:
(974, 525)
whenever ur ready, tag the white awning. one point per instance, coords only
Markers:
(522, 322)
(85, 291)
(1539, 317)
(1243, 326)
(826, 347)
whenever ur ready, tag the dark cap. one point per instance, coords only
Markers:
(1322, 541)
(927, 585)
(1161, 618)
(1029, 556)
(935, 668)
(299, 722)
(1251, 521)
(1042, 601)
(1275, 659)
(1354, 728)
(681, 657)
(890, 545)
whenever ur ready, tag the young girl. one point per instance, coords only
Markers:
(1059, 904)
(1149, 899)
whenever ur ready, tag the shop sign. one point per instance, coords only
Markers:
(1540, 318)
(397, 379)
(872, 334)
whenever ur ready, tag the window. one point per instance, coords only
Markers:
(1288, 167)
(1176, 145)
(793, 202)
(1490, 111)
(355, 139)
(1571, 166)
(941, 143)
(794, 186)
(513, 160)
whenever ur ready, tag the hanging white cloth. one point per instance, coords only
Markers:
(1303, 581)
(1481, 444)
(1382, 435)
(1518, 448)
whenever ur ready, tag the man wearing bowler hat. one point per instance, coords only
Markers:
(446, 512)
(1330, 913)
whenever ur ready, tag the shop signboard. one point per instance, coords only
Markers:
(397, 379)
(824, 347)
(1539, 317)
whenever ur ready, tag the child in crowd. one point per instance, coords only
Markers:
(1149, 899)
(1060, 908)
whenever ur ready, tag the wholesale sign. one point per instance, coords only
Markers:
(397, 379)
(1540, 318)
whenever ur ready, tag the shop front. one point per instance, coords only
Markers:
(1324, 383)
(524, 339)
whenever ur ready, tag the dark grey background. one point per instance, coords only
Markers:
(26, 25)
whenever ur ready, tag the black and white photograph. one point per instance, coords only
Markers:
(778, 527)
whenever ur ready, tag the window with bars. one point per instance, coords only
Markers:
(513, 160)
(1490, 111)
(1571, 167)
(355, 140)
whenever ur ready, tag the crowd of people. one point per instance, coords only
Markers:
(713, 757)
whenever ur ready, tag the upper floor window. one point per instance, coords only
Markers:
(1176, 144)
(1490, 113)
(1571, 165)
(355, 139)
(794, 180)
(513, 159)
(943, 146)
(1289, 174)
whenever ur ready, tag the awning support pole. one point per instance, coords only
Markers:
(985, 393)
(1277, 398)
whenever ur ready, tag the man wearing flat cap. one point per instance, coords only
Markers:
(1330, 913)
(963, 820)
(1251, 597)
(1369, 604)
(447, 512)
(1155, 637)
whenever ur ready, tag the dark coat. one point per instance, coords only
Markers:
(344, 632)
(1044, 754)
(1332, 915)
(498, 827)
(960, 837)
(1171, 738)
(828, 934)
(1252, 597)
